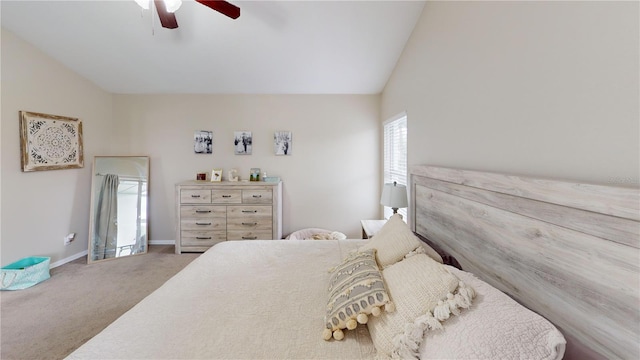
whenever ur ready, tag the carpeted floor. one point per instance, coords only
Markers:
(53, 318)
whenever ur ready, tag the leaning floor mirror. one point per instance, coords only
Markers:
(119, 201)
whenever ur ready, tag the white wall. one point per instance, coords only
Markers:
(548, 89)
(40, 208)
(331, 180)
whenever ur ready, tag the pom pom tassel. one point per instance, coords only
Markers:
(441, 311)
(390, 307)
(466, 292)
(362, 318)
(406, 345)
(453, 305)
(432, 322)
(428, 322)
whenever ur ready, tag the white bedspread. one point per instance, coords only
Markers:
(261, 299)
(266, 299)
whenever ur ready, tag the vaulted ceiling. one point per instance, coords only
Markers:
(274, 47)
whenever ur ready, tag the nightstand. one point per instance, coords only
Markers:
(371, 227)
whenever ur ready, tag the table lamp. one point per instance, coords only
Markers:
(394, 196)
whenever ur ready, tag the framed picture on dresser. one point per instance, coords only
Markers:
(216, 175)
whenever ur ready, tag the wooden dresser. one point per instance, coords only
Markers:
(210, 212)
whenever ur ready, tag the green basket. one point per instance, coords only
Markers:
(24, 273)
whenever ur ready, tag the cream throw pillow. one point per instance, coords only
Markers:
(424, 293)
(356, 290)
(395, 240)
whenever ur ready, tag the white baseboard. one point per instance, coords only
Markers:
(162, 242)
(68, 259)
(84, 253)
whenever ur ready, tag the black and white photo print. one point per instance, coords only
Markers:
(203, 142)
(242, 143)
(282, 142)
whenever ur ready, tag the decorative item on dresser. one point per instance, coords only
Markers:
(209, 213)
(254, 174)
(216, 175)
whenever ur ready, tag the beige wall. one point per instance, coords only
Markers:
(40, 208)
(331, 180)
(548, 89)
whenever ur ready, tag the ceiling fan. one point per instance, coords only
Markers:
(167, 8)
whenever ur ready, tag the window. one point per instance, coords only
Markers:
(395, 155)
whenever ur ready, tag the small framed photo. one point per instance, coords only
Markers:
(203, 142)
(201, 176)
(216, 175)
(50, 142)
(242, 142)
(254, 174)
(282, 142)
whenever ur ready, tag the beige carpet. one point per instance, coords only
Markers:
(53, 318)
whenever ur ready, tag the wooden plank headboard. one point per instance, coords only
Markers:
(568, 251)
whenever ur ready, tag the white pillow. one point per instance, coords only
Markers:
(496, 327)
(425, 293)
(394, 241)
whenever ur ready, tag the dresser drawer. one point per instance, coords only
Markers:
(250, 223)
(188, 196)
(257, 196)
(203, 211)
(203, 224)
(226, 196)
(249, 235)
(202, 238)
(244, 211)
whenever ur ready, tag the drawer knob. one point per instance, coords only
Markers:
(250, 224)
(203, 211)
(226, 196)
(195, 196)
(257, 196)
(250, 211)
(249, 237)
(203, 238)
(203, 223)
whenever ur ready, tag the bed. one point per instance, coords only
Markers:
(267, 299)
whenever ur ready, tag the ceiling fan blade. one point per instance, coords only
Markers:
(167, 19)
(222, 7)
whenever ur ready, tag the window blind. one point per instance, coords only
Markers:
(395, 155)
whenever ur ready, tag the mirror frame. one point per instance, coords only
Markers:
(92, 211)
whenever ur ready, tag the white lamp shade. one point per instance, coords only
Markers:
(143, 4)
(394, 196)
(173, 5)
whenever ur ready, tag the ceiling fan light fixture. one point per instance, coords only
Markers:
(173, 5)
(145, 4)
